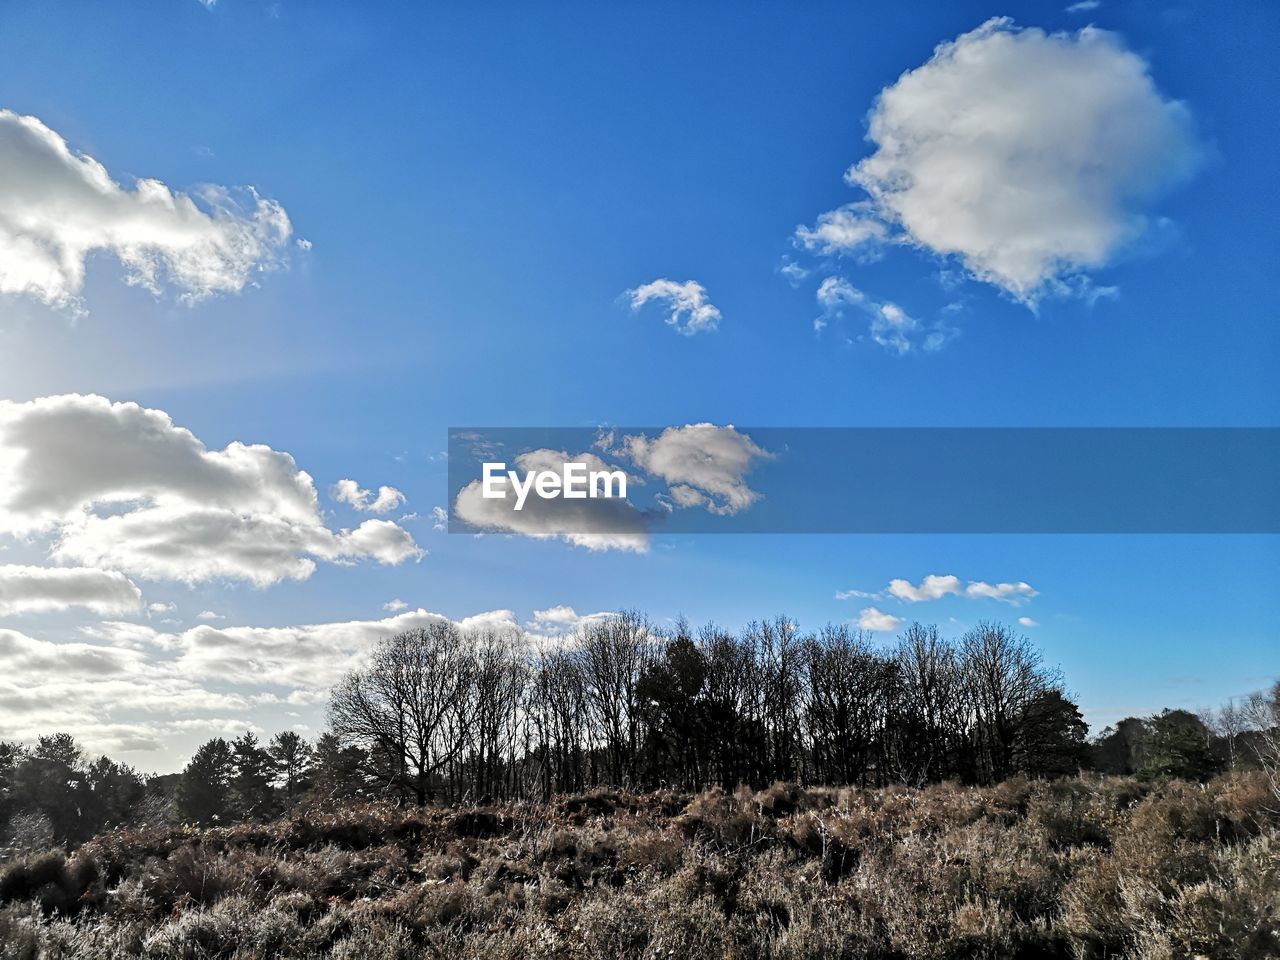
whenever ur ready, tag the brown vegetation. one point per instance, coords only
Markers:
(1095, 867)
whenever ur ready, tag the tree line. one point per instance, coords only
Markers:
(444, 714)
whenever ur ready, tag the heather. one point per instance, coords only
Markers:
(1078, 867)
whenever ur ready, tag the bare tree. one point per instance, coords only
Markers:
(1002, 676)
(1260, 713)
(500, 679)
(614, 653)
(411, 708)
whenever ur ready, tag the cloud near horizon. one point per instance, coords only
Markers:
(1031, 157)
(59, 207)
(119, 487)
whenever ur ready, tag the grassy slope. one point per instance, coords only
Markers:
(1073, 868)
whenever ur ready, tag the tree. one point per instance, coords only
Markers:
(11, 754)
(337, 771)
(1002, 676)
(614, 654)
(1121, 749)
(411, 708)
(117, 791)
(204, 790)
(52, 780)
(291, 758)
(1051, 739)
(253, 796)
(1261, 715)
(1179, 747)
(669, 690)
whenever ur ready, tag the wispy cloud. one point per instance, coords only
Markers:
(688, 309)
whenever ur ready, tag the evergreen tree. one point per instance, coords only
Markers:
(1051, 737)
(291, 758)
(253, 796)
(204, 790)
(1180, 747)
(338, 771)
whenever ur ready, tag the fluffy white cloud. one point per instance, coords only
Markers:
(350, 492)
(596, 524)
(121, 487)
(28, 589)
(689, 310)
(934, 586)
(1027, 622)
(58, 207)
(98, 692)
(705, 465)
(562, 620)
(872, 619)
(931, 588)
(209, 615)
(847, 229)
(307, 657)
(1032, 157)
(395, 606)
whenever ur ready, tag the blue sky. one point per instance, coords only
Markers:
(480, 185)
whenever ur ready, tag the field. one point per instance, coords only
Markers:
(1098, 867)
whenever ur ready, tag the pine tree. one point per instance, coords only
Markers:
(204, 789)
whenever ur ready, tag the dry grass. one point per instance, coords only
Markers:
(1071, 869)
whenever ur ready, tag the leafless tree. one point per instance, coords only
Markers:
(1002, 676)
(411, 708)
(1260, 713)
(614, 653)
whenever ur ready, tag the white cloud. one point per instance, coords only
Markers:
(706, 465)
(439, 518)
(931, 588)
(350, 492)
(395, 606)
(121, 487)
(872, 619)
(1015, 593)
(1027, 622)
(1084, 6)
(1031, 157)
(209, 615)
(889, 325)
(28, 589)
(852, 228)
(159, 607)
(58, 207)
(563, 620)
(595, 524)
(308, 657)
(935, 586)
(689, 310)
(856, 594)
(93, 690)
